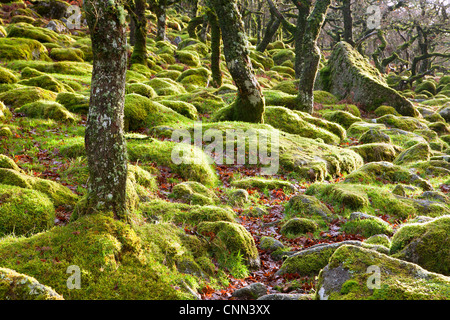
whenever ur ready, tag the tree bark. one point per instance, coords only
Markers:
(271, 29)
(215, 49)
(137, 12)
(160, 11)
(348, 21)
(249, 104)
(104, 139)
(308, 55)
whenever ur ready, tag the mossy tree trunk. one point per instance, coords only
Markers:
(348, 21)
(307, 51)
(159, 7)
(249, 104)
(215, 49)
(104, 139)
(271, 29)
(136, 9)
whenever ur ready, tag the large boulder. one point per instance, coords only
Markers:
(349, 75)
(356, 273)
(426, 244)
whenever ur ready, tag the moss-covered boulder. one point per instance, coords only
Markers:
(418, 152)
(113, 257)
(196, 77)
(372, 152)
(166, 86)
(22, 49)
(183, 213)
(45, 81)
(17, 286)
(310, 261)
(426, 244)
(289, 121)
(141, 112)
(193, 192)
(374, 136)
(351, 269)
(6, 76)
(74, 102)
(306, 206)
(43, 35)
(324, 97)
(344, 118)
(24, 211)
(295, 227)
(191, 163)
(59, 194)
(357, 129)
(350, 75)
(384, 110)
(67, 54)
(427, 85)
(279, 56)
(140, 88)
(184, 108)
(403, 123)
(231, 238)
(187, 57)
(22, 95)
(262, 183)
(47, 110)
(386, 173)
(379, 239)
(347, 198)
(366, 225)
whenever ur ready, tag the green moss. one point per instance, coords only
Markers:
(24, 211)
(24, 30)
(171, 74)
(418, 152)
(67, 54)
(23, 95)
(383, 173)
(231, 238)
(16, 286)
(346, 198)
(284, 71)
(357, 129)
(184, 108)
(160, 152)
(367, 227)
(183, 213)
(372, 152)
(279, 98)
(279, 56)
(291, 122)
(165, 86)
(193, 78)
(140, 88)
(22, 49)
(46, 81)
(425, 244)
(379, 239)
(187, 57)
(344, 118)
(374, 136)
(47, 110)
(298, 226)
(58, 194)
(384, 110)
(324, 97)
(6, 76)
(404, 123)
(429, 86)
(287, 86)
(262, 184)
(399, 280)
(308, 207)
(193, 192)
(73, 102)
(142, 112)
(115, 262)
(62, 67)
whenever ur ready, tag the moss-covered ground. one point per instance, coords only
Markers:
(342, 173)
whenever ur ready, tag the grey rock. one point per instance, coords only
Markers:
(252, 291)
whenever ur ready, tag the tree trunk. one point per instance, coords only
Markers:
(140, 33)
(104, 139)
(215, 50)
(271, 30)
(348, 21)
(249, 104)
(310, 55)
(160, 11)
